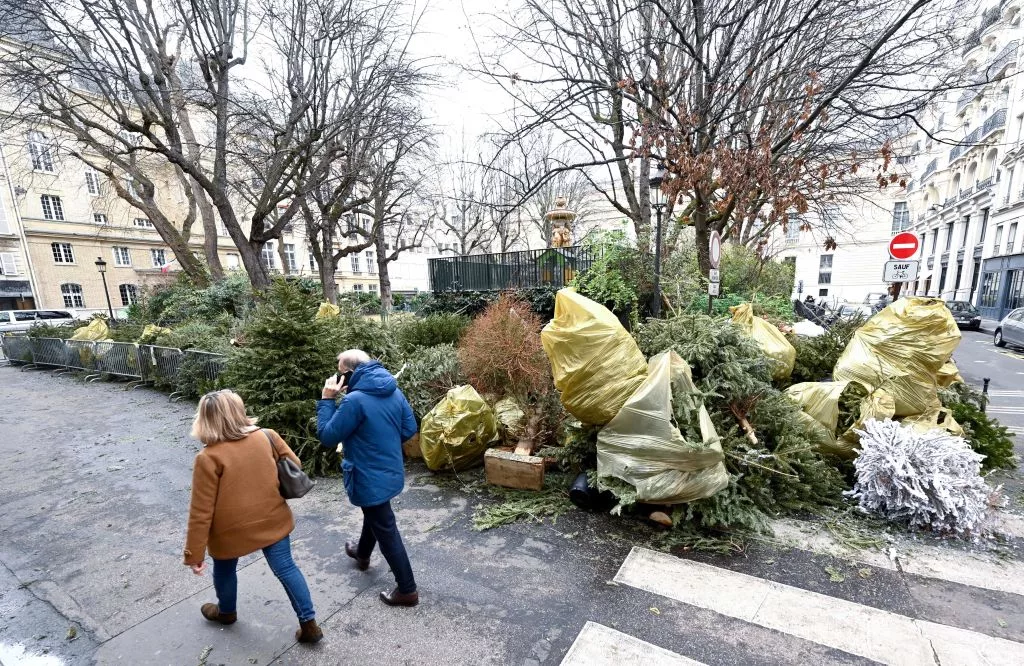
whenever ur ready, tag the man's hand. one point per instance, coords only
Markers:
(332, 387)
(198, 569)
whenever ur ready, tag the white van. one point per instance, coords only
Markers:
(21, 320)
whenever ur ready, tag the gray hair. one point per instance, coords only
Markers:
(353, 358)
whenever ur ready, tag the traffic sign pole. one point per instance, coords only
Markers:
(714, 259)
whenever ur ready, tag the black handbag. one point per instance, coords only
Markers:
(294, 482)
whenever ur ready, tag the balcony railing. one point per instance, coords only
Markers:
(966, 98)
(529, 269)
(930, 169)
(994, 122)
(986, 183)
(965, 193)
(1006, 56)
(931, 262)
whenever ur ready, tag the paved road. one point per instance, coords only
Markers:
(978, 358)
(94, 492)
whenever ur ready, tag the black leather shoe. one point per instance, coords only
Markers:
(361, 564)
(396, 598)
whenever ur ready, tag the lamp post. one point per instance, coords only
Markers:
(658, 204)
(101, 266)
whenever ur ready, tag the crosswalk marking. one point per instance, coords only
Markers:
(1002, 409)
(1006, 394)
(598, 645)
(844, 625)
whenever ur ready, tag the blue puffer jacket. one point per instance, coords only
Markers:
(373, 420)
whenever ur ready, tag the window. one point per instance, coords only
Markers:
(1011, 237)
(949, 236)
(129, 294)
(122, 256)
(233, 262)
(984, 226)
(822, 292)
(159, 258)
(143, 222)
(371, 263)
(959, 274)
(998, 240)
(267, 255)
(53, 209)
(357, 288)
(92, 182)
(967, 225)
(72, 294)
(825, 269)
(989, 290)
(373, 288)
(289, 257)
(8, 265)
(41, 152)
(942, 278)
(793, 228)
(900, 217)
(354, 259)
(312, 262)
(99, 218)
(62, 253)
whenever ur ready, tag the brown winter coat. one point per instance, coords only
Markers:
(237, 506)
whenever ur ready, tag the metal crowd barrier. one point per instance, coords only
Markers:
(143, 364)
(17, 349)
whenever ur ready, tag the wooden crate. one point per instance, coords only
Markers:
(505, 467)
(411, 447)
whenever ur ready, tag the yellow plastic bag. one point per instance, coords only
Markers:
(151, 332)
(902, 350)
(820, 402)
(949, 374)
(595, 362)
(642, 447)
(457, 431)
(95, 331)
(770, 339)
(511, 418)
(327, 311)
(939, 419)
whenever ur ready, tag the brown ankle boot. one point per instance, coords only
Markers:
(212, 613)
(361, 564)
(396, 598)
(309, 632)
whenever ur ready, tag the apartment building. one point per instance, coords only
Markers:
(969, 196)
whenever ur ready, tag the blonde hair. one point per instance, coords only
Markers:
(221, 417)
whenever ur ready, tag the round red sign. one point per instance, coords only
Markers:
(904, 245)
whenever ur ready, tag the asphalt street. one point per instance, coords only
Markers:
(977, 358)
(94, 494)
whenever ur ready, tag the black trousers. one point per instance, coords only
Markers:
(379, 528)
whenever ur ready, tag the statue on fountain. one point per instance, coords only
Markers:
(560, 217)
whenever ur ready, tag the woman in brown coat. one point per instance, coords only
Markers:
(237, 508)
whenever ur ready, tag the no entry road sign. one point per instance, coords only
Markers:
(904, 245)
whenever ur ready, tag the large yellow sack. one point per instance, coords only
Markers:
(150, 333)
(95, 331)
(770, 339)
(643, 447)
(949, 374)
(819, 402)
(457, 431)
(327, 311)
(902, 349)
(595, 362)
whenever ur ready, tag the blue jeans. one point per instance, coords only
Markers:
(279, 557)
(379, 527)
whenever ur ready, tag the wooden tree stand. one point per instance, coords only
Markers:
(514, 468)
(411, 447)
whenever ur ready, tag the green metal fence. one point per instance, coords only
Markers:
(528, 269)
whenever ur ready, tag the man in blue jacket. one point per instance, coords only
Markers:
(372, 421)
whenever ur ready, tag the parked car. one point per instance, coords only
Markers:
(1010, 330)
(849, 311)
(22, 320)
(965, 315)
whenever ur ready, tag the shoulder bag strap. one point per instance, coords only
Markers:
(271, 442)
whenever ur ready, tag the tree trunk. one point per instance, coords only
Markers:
(210, 240)
(702, 236)
(383, 276)
(328, 270)
(283, 257)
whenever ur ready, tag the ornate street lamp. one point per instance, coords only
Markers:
(658, 202)
(101, 266)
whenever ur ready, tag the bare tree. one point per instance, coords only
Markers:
(459, 208)
(127, 79)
